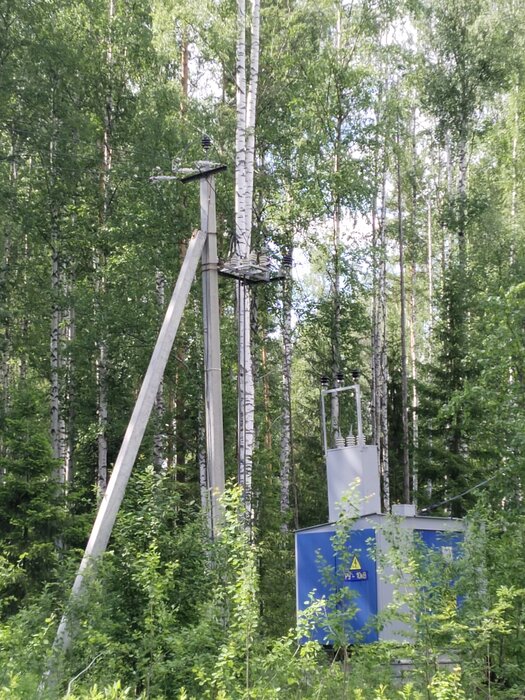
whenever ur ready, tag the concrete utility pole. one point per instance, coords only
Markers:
(203, 245)
(107, 512)
(212, 347)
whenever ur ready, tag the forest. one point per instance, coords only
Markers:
(375, 162)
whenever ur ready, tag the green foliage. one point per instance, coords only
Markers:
(114, 692)
(447, 686)
(216, 649)
(167, 613)
(32, 514)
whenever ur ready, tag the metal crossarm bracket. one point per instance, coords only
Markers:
(197, 174)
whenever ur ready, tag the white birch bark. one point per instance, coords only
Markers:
(245, 394)
(242, 245)
(430, 270)
(514, 171)
(244, 175)
(4, 282)
(403, 327)
(251, 107)
(413, 315)
(286, 414)
(5, 353)
(159, 438)
(336, 297)
(413, 375)
(24, 324)
(268, 437)
(336, 332)
(57, 424)
(240, 131)
(102, 413)
(336, 272)
(102, 357)
(69, 435)
(66, 335)
(376, 260)
(6, 340)
(54, 342)
(383, 356)
(445, 242)
(376, 430)
(203, 470)
(379, 352)
(185, 69)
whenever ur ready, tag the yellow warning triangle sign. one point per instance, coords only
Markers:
(355, 565)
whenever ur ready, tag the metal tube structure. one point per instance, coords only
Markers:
(212, 352)
(356, 388)
(110, 504)
(360, 435)
(323, 419)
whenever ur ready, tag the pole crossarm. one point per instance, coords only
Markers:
(202, 246)
(204, 170)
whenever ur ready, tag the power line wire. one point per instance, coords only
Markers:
(460, 495)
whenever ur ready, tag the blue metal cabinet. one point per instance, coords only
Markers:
(346, 579)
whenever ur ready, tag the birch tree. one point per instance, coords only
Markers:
(286, 454)
(463, 71)
(247, 77)
(101, 361)
(5, 275)
(379, 311)
(403, 329)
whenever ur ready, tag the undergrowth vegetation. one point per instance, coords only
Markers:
(169, 615)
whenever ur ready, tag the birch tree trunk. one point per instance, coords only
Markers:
(5, 350)
(203, 471)
(54, 344)
(251, 107)
(4, 284)
(6, 336)
(24, 328)
(246, 98)
(178, 419)
(244, 478)
(336, 321)
(379, 346)
(375, 411)
(286, 412)
(514, 166)
(403, 324)
(384, 463)
(413, 319)
(159, 438)
(185, 69)
(268, 438)
(240, 131)
(66, 337)
(430, 271)
(336, 271)
(99, 264)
